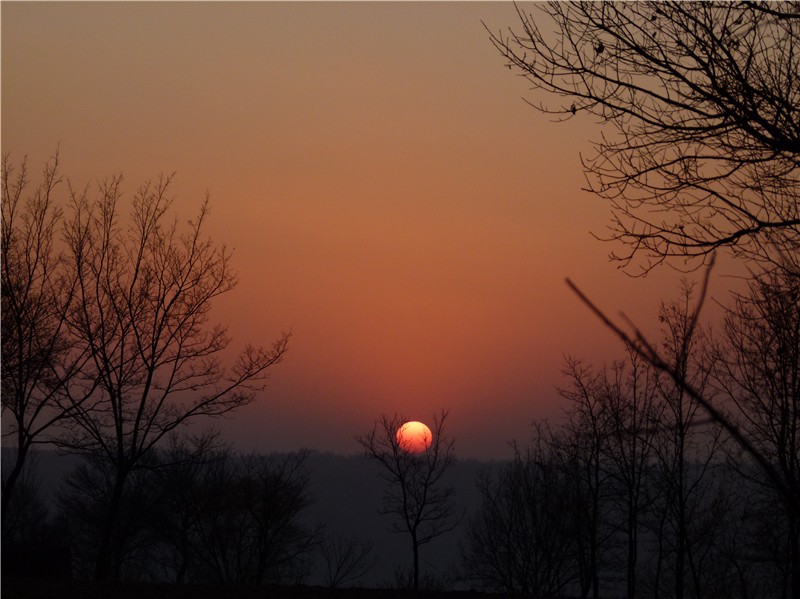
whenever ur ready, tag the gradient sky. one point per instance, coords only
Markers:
(389, 195)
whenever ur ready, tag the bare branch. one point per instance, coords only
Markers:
(699, 109)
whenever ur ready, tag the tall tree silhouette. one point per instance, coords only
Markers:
(758, 368)
(699, 109)
(522, 538)
(686, 446)
(583, 452)
(39, 357)
(632, 417)
(144, 289)
(236, 519)
(704, 396)
(416, 493)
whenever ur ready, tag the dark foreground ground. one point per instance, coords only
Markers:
(74, 589)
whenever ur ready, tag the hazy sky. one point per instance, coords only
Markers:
(389, 195)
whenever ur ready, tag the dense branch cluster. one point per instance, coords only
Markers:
(107, 344)
(699, 108)
(698, 105)
(143, 300)
(638, 493)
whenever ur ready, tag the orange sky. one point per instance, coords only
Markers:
(389, 195)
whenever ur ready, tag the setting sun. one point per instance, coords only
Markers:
(414, 437)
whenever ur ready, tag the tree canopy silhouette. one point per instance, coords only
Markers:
(40, 359)
(698, 105)
(416, 492)
(106, 322)
(144, 295)
(699, 109)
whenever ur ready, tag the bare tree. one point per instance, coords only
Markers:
(83, 501)
(686, 446)
(583, 449)
(758, 369)
(182, 466)
(698, 104)
(634, 440)
(144, 292)
(346, 559)
(416, 493)
(39, 358)
(236, 519)
(521, 540)
(638, 343)
(632, 420)
(699, 108)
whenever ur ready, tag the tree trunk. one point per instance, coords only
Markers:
(595, 569)
(679, 553)
(632, 549)
(594, 548)
(659, 562)
(416, 561)
(794, 554)
(103, 563)
(11, 480)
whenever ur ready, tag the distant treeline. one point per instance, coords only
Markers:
(321, 520)
(211, 516)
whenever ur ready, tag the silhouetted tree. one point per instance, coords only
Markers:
(28, 512)
(83, 501)
(583, 453)
(521, 541)
(416, 493)
(758, 368)
(687, 445)
(640, 453)
(235, 519)
(182, 465)
(714, 407)
(605, 450)
(144, 291)
(632, 420)
(39, 358)
(699, 109)
(346, 559)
